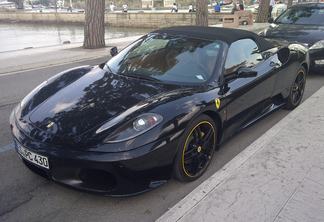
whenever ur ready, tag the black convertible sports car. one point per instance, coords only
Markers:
(158, 108)
(303, 23)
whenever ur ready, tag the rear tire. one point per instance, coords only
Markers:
(196, 149)
(296, 90)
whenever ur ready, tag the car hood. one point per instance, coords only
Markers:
(301, 33)
(84, 98)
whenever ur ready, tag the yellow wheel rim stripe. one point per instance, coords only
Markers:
(186, 142)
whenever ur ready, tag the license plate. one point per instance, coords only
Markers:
(32, 157)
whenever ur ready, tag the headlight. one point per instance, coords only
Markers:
(138, 126)
(318, 45)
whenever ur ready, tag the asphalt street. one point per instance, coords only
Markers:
(25, 196)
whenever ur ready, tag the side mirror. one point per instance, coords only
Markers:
(246, 72)
(270, 20)
(113, 51)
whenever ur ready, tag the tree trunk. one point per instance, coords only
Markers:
(289, 3)
(19, 4)
(94, 28)
(263, 11)
(202, 13)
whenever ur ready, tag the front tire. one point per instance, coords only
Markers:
(196, 149)
(296, 90)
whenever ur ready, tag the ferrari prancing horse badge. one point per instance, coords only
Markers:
(217, 103)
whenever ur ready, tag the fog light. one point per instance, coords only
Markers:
(319, 62)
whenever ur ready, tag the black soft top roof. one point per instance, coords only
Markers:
(212, 33)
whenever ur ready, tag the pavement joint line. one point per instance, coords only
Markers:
(7, 147)
(185, 205)
(289, 198)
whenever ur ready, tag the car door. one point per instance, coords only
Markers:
(246, 98)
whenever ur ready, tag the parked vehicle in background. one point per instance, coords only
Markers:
(125, 8)
(28, 7)
(78, 10)
(278, 9)
(227, 8)
(302, 23)
(7, 5)
(252, 8)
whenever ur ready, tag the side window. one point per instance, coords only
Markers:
(243, 52)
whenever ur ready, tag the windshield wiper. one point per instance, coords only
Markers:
(138, 76)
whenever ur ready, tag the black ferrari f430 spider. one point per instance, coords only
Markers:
(157, 108)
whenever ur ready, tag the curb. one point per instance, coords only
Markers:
(33, 67)
(184, 206)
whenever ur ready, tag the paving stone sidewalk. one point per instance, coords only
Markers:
(280, 177)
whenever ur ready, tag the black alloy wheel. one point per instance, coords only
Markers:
(196, 149)
(297, 90)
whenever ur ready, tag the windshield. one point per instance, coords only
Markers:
(302, 16)
(168, 58)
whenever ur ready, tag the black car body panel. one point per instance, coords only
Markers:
(60, 118)
(307, 34)
(97, 94)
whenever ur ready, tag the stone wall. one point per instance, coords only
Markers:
(155, 20)
(147, 20)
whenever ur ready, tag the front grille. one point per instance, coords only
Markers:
(97, 179)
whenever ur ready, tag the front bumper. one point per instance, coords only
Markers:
(316, 59)
(114, 174)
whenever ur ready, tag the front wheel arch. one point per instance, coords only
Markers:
(178, 170)
(290, 100)
(305, 66)
(218, 121)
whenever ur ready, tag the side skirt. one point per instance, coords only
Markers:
(277, 103)
(272, 108)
